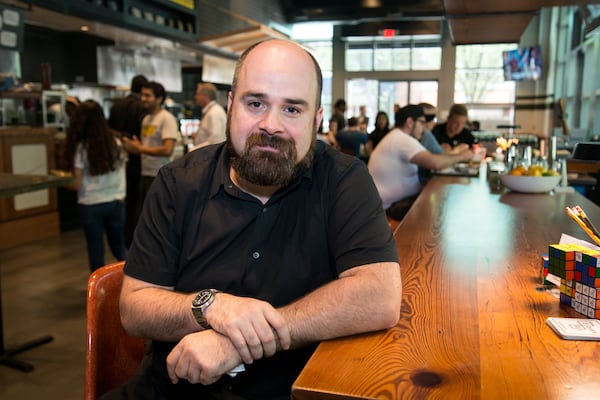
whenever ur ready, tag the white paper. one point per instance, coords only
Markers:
(575, 328)
(568, 239)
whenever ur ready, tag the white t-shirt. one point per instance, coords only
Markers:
(212, 125)
(156, 128)
(394, 175)
(100, 188)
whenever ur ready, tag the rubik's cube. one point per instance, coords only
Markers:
(579, 270)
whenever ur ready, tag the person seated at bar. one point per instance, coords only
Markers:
(350, 140)
(429, 141)
(394, 162)
(250, 252)
(382, 127)
(453, 132)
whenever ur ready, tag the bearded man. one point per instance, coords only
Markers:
(249, 253)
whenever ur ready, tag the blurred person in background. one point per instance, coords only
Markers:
(97, 161)
(351, 140)
(214, 118)
(159, 132)
(382, 127)
(363, 119)
(125, 117)
(339, 114)
(394, 162)
(453, 132)
(429, 141)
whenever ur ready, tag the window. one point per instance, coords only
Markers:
(359, 57)
(322, 52)
(480, 84)
(403, 93)
(402, 53)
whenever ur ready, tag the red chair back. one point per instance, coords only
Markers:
(112, 356)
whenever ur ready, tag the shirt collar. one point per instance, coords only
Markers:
(209, 105)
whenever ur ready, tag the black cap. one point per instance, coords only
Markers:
(411, 110)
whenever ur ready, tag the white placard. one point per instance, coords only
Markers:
(8, 39)
(11, 18)
(217, 69)
(30, 159)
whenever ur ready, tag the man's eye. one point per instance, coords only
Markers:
(255, 104)
(292, 110)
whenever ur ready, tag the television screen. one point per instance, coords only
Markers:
(522, 64)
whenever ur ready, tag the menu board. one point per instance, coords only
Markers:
(11, 28)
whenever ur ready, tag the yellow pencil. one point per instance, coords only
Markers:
(582, 224)
(587, 221)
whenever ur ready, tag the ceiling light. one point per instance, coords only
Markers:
(371, 3)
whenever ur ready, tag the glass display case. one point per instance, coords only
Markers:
(33, 108)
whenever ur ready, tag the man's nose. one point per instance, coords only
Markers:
(270, 122)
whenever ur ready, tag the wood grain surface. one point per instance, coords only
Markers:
(473, 308)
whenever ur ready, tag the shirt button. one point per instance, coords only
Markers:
(264, 209)
(256, 255)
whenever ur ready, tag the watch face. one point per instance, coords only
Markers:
(202, 297)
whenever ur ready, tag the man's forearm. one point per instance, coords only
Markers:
(158, 314)
(360, 301)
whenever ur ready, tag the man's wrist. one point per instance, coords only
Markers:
(200, 304)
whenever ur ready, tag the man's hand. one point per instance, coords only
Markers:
(254, 327)
(202, 357)
(466, 155)
(132, 145)
(459, 148)
(446, 147)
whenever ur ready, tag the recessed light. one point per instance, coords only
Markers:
(84, 28)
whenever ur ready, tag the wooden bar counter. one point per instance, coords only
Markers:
(473, 315)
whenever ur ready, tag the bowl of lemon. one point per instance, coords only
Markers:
(535, 179)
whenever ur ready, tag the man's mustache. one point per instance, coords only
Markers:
(264, 139)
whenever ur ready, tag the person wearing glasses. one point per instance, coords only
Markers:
(395, 161)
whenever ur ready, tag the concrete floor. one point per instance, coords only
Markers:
(44, 293)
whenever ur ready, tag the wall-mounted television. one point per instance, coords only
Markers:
(522, 64)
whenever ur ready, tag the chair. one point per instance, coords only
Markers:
(112, 357)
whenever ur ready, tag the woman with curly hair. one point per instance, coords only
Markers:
(96, 158)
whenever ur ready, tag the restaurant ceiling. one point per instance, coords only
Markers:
(237, 41)
(228, 32)
(469, 21)
(235, 32)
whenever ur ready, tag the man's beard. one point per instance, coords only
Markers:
(269, 168)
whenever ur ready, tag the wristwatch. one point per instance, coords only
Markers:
(203, 299)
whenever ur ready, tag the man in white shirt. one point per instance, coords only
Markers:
(214, 118)
(394, 162)
(158, 135)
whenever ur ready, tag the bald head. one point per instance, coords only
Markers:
(280, 54)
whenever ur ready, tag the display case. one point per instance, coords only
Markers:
(33, 108)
